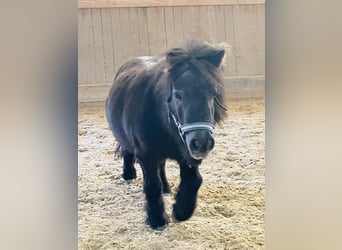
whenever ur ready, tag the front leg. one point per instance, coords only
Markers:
(166, 186)
(186, 197)
(156, 216)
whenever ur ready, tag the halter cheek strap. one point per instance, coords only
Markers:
(188, 127)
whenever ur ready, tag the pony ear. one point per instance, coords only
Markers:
(215, 58)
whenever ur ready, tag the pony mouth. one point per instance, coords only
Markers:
(198, 155)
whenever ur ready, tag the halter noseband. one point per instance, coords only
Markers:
(188, 127)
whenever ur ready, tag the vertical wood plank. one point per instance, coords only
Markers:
(212, 36)
(98, 44)
(178, 23)
(188, 22)
(203, 23)
(156, 30)
(107, 45)
(134, 32)
(220, 24)
(260, 41)
(143, 32)
(196, 28)
(185, 23)
(127, 50)
(116, 37)
(171, 40)
(249, 27)
(82, 47)
(88, 44)
(230, 69)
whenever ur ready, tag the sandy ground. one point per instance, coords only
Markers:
(230, 211)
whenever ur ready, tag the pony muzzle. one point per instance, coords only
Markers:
(199, 143)
(196, 136)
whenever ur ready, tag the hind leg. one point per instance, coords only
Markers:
(129, 172)
(166, 186)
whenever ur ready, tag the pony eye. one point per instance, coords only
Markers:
(178, 95)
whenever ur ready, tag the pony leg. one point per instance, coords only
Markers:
(166, 186)
(186, 197)
(129, 172)
(156, 216)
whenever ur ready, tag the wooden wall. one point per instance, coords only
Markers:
(110, 34)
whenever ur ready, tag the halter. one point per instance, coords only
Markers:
(188, 127)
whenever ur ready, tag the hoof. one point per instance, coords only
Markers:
(160, 228)
(129, 181)
(179, 214)
(128, 175)
(159, 223)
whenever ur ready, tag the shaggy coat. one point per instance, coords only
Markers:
(183, 84)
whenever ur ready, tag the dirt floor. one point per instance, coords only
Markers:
(230, 211)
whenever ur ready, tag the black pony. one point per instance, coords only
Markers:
(166, 107)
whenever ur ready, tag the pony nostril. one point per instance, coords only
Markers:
(202, 146)
(195, 144)
(210, 144)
